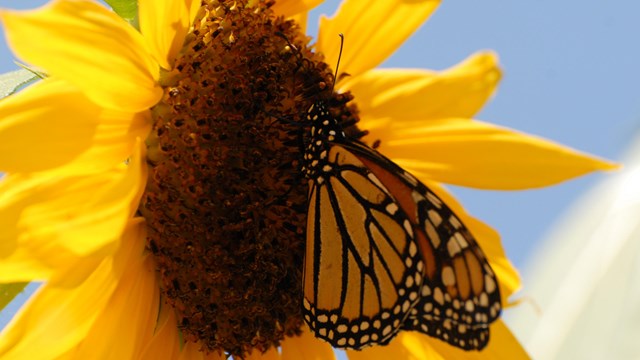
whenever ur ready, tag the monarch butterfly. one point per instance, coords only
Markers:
(384, 253)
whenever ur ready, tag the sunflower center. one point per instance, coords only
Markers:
(225, 201)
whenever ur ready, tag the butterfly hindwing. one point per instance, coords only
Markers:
(459, 296)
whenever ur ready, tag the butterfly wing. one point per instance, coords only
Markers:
(459, 296)
(363, 269)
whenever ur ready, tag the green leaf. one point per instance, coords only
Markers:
(127, 9)
(12, 81)
(10, 291)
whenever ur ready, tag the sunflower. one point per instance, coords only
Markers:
(152, 179)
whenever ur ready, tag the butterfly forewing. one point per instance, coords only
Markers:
(362, 269)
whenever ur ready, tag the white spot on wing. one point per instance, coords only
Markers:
(484, 299)
(489, 284)
(469, 305)
(453, 247)
(448, 276)
(408, 282)
(416, 196)
(432, 234)
(428, 307)
(387, 330)
(434, 200)
(408, 228)
(408, 262)
(455, 222)
(406, 305)
(461, 240)
(374, 179)
(392, 208)
(435, 218)
(413, 249)
(411, 179)
(438, 296)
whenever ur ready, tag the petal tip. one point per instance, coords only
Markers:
(610, 166)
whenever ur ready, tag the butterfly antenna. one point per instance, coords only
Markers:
(335, 76)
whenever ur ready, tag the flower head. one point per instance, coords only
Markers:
(153, 178)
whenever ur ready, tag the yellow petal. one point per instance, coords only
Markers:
(90, 47)
(271, 354)
(56, 319)
(20, 266)
(38, 133)
(407, 346)
(404, 94)
(131, 314)
(502, 346)
(373, 31)
(166, 341)
(15, 192)
(95, 212)
(288, 8)
(476, 154)
(306, 347)
(44, 126)
(165, 27)
(22, 261)
(113, 143)
(193, 351)
(65, 269)
(82, 215)
(301, 20)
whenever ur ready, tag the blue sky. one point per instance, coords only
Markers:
(570, 75)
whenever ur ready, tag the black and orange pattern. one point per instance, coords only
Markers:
(384, 253)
